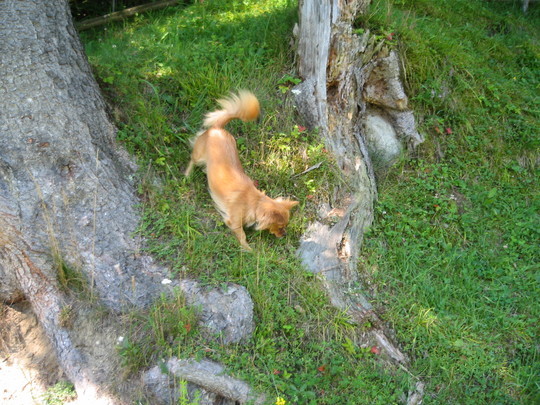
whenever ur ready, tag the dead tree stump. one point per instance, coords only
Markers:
(346, 77)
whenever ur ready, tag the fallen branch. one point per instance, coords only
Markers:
(315, 166)
(205, 374)
(120, 15)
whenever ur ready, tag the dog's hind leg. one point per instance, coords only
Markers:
(198, 154)
(189, 168)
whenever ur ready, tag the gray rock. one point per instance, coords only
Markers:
(405, 126)
(381, 138)
(226, 312)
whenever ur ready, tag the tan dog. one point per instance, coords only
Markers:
(234, 193)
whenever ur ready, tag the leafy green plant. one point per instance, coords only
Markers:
(60, 393)
(184, 398)
(169, 323)
(286, 82)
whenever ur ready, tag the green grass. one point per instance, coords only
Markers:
(452, 259)
(454, 252)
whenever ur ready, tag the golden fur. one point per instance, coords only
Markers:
(234, 193)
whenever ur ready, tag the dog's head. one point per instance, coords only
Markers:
(274, 216)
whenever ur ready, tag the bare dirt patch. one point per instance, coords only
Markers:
(28, 363)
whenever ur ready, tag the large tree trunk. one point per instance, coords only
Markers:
(67, 199)
(65, 184)
(348, 80)
(58, 177)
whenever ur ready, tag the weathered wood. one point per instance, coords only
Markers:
(330, 61)
(339, 68)
(204, 373)
(122, 14)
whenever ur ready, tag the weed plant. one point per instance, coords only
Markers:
(452, 258)
(61, 393)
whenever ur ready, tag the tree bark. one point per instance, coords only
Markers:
(67, 196)
(65, 184)
(344, 75)
(58, 175)
(329, 62)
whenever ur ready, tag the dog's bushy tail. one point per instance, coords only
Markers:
(244, 106)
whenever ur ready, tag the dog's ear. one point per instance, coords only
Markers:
(288, 204)
(277, 217)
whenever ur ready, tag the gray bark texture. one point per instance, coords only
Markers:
(67, 195)
(329, 58)
(345, 76)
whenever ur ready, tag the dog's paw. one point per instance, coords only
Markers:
(246, 248)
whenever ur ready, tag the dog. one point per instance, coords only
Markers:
(235, 196)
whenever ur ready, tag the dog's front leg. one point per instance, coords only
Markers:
(238, 229)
